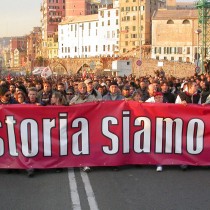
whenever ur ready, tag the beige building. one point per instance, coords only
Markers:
(53, 46)
(135, 23)
(174, 36)
(33, 47)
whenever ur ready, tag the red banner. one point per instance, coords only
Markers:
(104, 134)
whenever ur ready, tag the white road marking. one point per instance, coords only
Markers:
(89, 191)
(73, 190)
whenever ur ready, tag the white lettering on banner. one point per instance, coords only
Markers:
(63, 125)
(1, 144)
(168, 135)
(114, 138)
(146, 133)
(126, 132)
(29, 136)
(80, 140)
(11, 135)
(48, 124)
(195, 143)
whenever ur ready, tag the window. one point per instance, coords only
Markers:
(186, 22)
(170, 22)
(179, 50)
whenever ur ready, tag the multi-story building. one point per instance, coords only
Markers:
(75, 8)
(135, 23)
(17, 44)
(53, 46)
(53, 11)
(90, 35)
(174, 35)
(33, 46)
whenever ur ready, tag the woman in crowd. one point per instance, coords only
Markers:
(58, 99)
(20, 97)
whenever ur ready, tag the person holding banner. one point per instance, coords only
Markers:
(32, 96)
(155, 97)
(82, 97)
(91, 90)
(44, 96)
(190, 95)
(58, 99)
(114, 93)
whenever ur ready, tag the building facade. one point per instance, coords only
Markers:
(135, 23)
(75, 8)
(33, 46)
(18, 46)
(174, 36)
(53, 11)
(90, 35)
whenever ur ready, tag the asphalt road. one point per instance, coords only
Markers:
(130, 188)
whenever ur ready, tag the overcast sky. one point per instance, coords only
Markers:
(18, 17)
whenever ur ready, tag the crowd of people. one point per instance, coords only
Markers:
(70, 90)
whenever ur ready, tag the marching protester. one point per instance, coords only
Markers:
(91, 90)
(12, 89)
(126, 92)
(5, 96)
(45, 94)
(58, 99)
(204, 88)
(20, 97)
(81, 97)
(114, 93)
(155, 97)
(61, 89)
(168, 97)
(33, 96)
(190, 95)
(143, 89)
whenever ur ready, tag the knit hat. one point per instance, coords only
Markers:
(3, 90)
(113, 83)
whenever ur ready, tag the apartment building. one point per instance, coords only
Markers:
(90, 35)
(174, 36)
(53, 11)
(79, 7)
(18, 46)
(135, 23)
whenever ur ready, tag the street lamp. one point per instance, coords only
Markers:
(197, 57)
